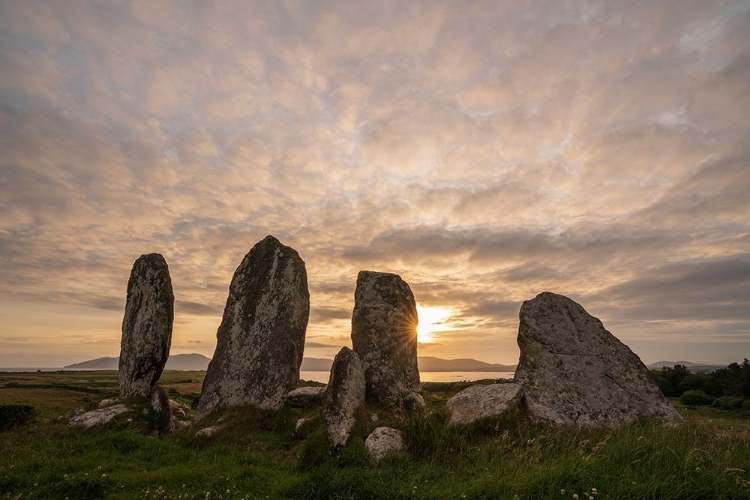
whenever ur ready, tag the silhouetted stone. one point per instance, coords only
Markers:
(384, 440)
(343, 396)
(146, 327)
(163, 412)
(575, 373)
(481, 401)
(384, 335)
(262, 335)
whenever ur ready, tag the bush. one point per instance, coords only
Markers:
(728, 402)
(693, 382)
(696, 398)
(746, 404)
(13, 415)
(664, 384)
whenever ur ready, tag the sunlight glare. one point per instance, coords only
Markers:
(431, 321)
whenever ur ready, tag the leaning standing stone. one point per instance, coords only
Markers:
(574, 373)
(146, 327)
(384, 335)
(262, 334)
(343, 396)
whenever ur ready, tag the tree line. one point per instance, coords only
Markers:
(730, 384)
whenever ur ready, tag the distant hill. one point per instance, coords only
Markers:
(316, 365)
(431, 364)
(693, 367)
(196, 362)
(192, 362)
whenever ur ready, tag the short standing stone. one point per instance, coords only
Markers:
(343, 396)
(384, 335)
(481, 401)
(384, 440)
(146, 327)
(262, 335)
(162, 410)
(575, 373)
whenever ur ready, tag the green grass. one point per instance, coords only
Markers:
(257, 454)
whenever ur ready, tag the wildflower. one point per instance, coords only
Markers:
(104, 475)
(562, 491)
(594, 491)
(575, 496)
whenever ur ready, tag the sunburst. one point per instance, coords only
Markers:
(431, 321)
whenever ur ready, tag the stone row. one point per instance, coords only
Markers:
(572, 372)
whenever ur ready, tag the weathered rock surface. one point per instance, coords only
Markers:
(344, 395)
(384, 440)
(146, 326)
(384, 335)
(480, 401)
(162, 409)
(575, 373)
(208, 431)
(262, 335)
(302, 397)
(99, 416)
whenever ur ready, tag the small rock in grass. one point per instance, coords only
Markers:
(384, 440)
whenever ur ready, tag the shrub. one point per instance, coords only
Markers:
(13, 415)
(696, 398)
(664, 384)
(728, 402)
(746, 404)
(693, 382)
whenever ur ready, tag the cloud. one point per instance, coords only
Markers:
(485, 153)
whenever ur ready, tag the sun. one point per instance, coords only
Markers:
(431, 321)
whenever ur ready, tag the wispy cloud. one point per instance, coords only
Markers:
(486, 151)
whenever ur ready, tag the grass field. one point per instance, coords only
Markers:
(257, 454)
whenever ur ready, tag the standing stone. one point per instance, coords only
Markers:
(343, 396)
(384, 335)
(146, 327)
(575, 373)
(262, 334)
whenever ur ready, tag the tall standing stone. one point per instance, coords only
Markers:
(384, 335)
(146, 327)
(574, 373)
(262, 334)
(343, 396)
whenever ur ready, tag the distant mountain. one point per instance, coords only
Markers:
(693, 367)
(431, 364)
(196, 362)
(192, 362)
(95, 364)
(316, 365)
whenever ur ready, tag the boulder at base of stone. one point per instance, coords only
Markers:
(160, 404)
(100, 416)
(384, 335)
(384, 440)
(574, 373)
(146, 326)
(480, 401)
(302, 397)
(344, 395)
(262, 335)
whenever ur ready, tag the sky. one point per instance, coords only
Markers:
(485, 151)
